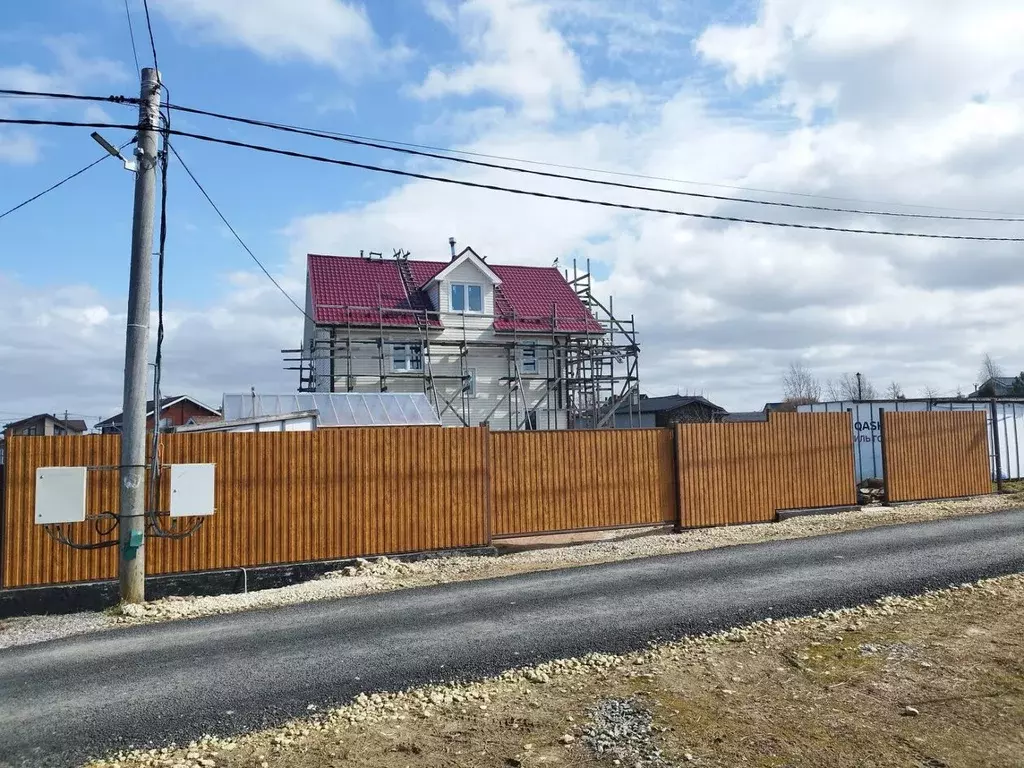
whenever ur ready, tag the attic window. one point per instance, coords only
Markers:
(467, 298)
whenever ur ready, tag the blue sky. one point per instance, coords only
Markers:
(84, 228)
(767, 94)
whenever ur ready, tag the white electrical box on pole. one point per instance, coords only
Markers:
(132, 523)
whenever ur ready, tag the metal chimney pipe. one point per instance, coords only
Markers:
(451, 243)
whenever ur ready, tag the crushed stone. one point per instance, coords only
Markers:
(623, 729)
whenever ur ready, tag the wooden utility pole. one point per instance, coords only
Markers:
(132, 523)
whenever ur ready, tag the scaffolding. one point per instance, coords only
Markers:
(589, 376)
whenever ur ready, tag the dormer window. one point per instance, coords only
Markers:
(467, 297)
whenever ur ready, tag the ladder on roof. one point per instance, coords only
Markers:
(503, 307)
(422, 325)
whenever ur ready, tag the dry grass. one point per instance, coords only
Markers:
(829, 692)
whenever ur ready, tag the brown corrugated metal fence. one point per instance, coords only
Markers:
(558, 481)
(339, 493)
(935, 455)
(280, 498)
(746, 472)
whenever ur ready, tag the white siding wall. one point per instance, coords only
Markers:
(489, 363)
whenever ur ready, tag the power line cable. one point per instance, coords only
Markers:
(525, 192)
(237, 236)
(131, 32)
(586, 201)
(378, 144)
(66, 179)
(506, 158)
(68, 96)
(152, 42)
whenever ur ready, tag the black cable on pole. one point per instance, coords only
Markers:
(131, 32)
(237, 236)
(393, 147)
(523, 192)
(158, 358)
(66, 123)
(152, 42)
(586, 201)
(68, 96)
(66, 179)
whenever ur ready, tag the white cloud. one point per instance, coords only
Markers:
(72, 328)
(335, 33)
(73, 72)
(516, 53)
(18, 148)
(875, 59)
(722, 308)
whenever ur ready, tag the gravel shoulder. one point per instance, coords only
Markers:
(384, 574)
(927, 681)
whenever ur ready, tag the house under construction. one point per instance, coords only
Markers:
(514, 347)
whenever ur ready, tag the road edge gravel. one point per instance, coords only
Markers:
(385, 574)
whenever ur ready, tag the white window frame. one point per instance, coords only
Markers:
(407, 357)
(471, 383)
(465, 298)
(529, 367)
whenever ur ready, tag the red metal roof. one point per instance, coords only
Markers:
(349, 289)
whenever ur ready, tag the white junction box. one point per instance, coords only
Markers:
(60, 495)
(192, 489)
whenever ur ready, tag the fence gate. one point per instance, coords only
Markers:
(935, 455)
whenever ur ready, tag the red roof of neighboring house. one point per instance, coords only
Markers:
(524, 301)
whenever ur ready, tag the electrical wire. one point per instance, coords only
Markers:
(152, 42)
(66, 179)
(69, 96)
(524, 192)
(131, 32)
(65, 123)
(237, 236)
(586, 201)
(356, 138)
(158, 358)
(377, 144)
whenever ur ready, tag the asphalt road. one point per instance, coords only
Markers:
(66, 700)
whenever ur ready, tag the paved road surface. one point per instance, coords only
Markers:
(69, 699)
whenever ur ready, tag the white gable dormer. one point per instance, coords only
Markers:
(465, 286)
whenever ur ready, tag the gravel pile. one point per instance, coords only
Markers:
(615, 725)
(624, 730)
(384, 574)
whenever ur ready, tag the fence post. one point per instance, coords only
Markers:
(677, 465)
(488, 490)
(885, 463)
(3, 511)
(995, 444)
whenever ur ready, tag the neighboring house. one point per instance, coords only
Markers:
(175, 411)
(42, 424)
(669, 410)
(1000, 387)
(487, 343)
(46, 424)
(744, 416)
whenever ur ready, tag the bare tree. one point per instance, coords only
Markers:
(894, 392)
(850, 386)
(799, 386)
(990, 369)
(930, 392)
